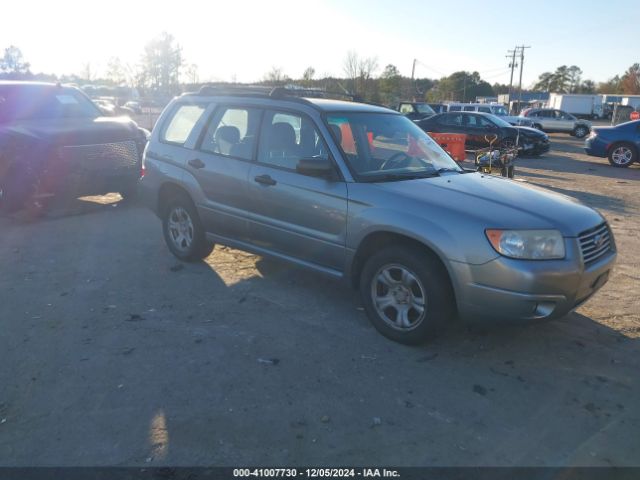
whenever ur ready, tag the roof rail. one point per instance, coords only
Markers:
(289, 92)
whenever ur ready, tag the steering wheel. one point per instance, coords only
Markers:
(396, 160)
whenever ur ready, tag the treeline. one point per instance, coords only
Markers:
(569, 80)
(163, 71)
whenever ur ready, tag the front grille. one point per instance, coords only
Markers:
(103, 156)
(595, 243)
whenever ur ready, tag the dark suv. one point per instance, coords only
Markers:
(54, 140)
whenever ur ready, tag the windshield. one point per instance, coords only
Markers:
(40, 102)
(498, 121)
(425, 108)
(501, 111)
(381, 146)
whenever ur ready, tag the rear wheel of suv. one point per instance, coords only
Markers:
(622, 154)
(183, 231)
(406, 294)
(580, 131)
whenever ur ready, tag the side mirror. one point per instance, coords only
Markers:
(315, 167)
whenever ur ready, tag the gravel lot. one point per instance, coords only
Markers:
(114, 353)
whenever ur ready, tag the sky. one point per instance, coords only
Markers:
(242, 40)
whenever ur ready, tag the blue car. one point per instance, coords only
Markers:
(620, 144)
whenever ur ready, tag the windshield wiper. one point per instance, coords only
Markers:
(447, 169)
(390, 177)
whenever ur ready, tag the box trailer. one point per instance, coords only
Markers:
(580, 105)
(632, 101)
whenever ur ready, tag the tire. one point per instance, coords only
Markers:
(183, 231)
(580, 131)
(622, 154)
(410, 280)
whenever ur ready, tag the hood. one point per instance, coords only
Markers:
(495, 202)
(516, 119)
(77, 131)
(530, 132)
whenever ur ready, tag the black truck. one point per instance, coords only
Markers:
(54, 140)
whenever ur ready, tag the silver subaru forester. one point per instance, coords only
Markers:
(360, 193)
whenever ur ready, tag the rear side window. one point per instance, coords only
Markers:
(406, 108)
(452, 119)
(484, 109)
(454, 108)
(469, 109)
(184, 119)
(232, 132)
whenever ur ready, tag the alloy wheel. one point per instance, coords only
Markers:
(181, 229)
(398, 297)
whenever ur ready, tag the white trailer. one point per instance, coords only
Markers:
(632, 101)
(580, 105)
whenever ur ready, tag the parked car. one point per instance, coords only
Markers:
(54, 140)
(361, 193)
(551, 120)
(482, 128)
(415, 110)
(496, 109)
(620, 144)
(135, 107)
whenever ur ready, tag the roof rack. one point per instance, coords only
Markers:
(288, 92)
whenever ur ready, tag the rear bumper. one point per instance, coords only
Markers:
(513, 290)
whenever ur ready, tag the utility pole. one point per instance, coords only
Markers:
(413, 70)
(512, 65)
(522, 47)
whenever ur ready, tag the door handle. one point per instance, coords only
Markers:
(265, 180)
(196, 163)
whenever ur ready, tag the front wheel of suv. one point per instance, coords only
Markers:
(183, 231)
(580, 131)
(406, 294)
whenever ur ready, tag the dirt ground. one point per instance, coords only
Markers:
(114, 353)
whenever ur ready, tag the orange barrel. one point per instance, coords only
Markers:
(452, 143)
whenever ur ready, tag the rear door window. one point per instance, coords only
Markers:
(232, 132)
(179, 128)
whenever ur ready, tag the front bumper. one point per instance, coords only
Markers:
(537, 147)
(595, 147)
(517, 290)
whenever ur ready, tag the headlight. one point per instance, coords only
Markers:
(527, 244)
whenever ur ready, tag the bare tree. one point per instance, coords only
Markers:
(351, 68)
(192, 73)
(87, 72)
(116, 71)
(308, 74)
(275, 75)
